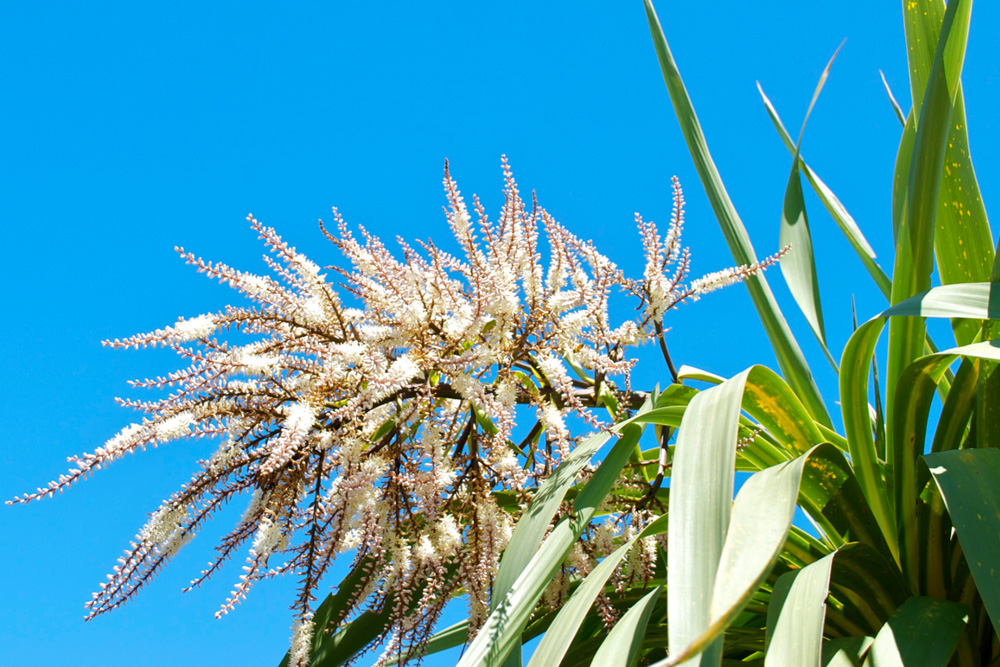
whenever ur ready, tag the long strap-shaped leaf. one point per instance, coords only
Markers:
(969, 480)
(830, 492)
(706, 596)
(922, 633)
(799, 265)
(531, 527)
(624, 642)
(844, 220)
(913, 402)
(834, 206)
(770, 401)
(535, 521)
(892, 100)
(786, 349)
(915, 231)
(502, 630)
(719, 550)
(796, 614)
(970, 300)
(559, 636)
(963, 242)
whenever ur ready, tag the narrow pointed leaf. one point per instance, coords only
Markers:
(790, 358)
(502, 630)
(531, 527)
(834, 206)
(559, 636)
(916, 230)
(799, 265)
(622, 646)
(892, 100)
(963, 243)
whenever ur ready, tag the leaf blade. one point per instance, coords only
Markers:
(790, 358)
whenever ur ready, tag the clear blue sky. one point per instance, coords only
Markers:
(128, 128)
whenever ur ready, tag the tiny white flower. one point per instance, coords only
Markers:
(194, 328)
(174, 427)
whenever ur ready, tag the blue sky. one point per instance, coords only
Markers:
(131, 128)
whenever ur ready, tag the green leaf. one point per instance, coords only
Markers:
(560, 635)
(621, 648)
(501, 632)
(915, 244)
(535, 521)
(922, 633)
(910, 414)
(830, 494)
(870, 586)
(790, 358)
(796, 614)
(533, 524)
(719, 550)
(970, 300)
(834, 206)
(969, 480)
(846, 651)
(892, 100)
(769, 400)
(987, 404)
(798, 265)
(450, 637)
(963, 242)
(707, 596)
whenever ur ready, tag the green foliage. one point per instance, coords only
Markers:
(904, 570)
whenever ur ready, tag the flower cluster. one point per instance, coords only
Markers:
(377, 419)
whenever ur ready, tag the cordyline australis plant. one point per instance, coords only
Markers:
(385, 429)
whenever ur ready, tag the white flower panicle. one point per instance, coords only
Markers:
(376, 415)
